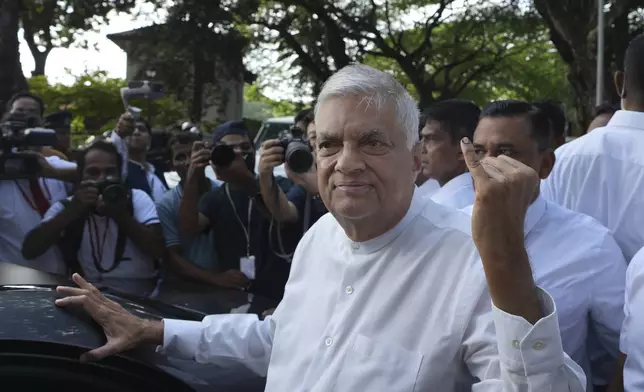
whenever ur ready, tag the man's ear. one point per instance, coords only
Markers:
(417, 156)
(620, 84)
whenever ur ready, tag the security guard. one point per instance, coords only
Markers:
(60, 122)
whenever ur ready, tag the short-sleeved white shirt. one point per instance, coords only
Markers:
(102, 238)
(18, 216)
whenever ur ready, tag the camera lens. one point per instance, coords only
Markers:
(222, 155)
(114, 194)
(298, 156)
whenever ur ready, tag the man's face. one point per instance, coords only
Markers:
(140, 139)
(26, 106)
(442, 158)
(600, 121)
(364, 166)
(99, 165)
(510, 136)
(240, 143)
(181, 159)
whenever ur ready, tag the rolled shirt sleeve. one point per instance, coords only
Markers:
(220, 339)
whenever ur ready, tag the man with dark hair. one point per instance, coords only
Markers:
(190, 256)
(573, 257)
(236, 214)
(603, 114)
(27, 103)
(444, 125)
(557, 120)
(602, 173)
(117, 237)
(142, 174)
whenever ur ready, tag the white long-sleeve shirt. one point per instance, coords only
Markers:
(579, 263)
(407, 311)
(456, 193)
(602, 175)
(631, 342)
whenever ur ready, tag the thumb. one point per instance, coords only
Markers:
(99, 353)
(472, 161)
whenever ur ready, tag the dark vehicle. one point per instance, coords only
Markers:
(40, 344)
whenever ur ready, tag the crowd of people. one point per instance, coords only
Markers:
(466, 248)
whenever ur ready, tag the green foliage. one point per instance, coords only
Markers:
(268, 107)
(95, 101)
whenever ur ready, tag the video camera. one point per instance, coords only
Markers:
(297, 153)
(19, 133)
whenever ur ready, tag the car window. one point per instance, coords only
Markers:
(270, 130)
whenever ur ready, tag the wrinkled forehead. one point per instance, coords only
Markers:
(350, 117)
(503, 130)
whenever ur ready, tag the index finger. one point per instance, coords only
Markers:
(472, 161)
(82, 283)
(270, 143)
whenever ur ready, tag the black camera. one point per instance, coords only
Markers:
(112, 190)
(297, 153)
(222, 155)
(18, 133)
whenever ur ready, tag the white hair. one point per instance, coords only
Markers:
(378, 88)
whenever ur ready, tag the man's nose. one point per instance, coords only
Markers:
(350, 160)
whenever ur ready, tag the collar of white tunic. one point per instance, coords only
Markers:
(375, 244)
(627, 119)
(535, 212)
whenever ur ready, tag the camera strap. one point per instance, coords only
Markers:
(97, 246)
(250, 211)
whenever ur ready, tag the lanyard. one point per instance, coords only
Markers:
(250, 210)
(33, 204)
(98, 247)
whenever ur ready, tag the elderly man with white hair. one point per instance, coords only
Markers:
(388, 292)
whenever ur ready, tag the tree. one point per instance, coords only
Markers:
(12, 79)
(56, 23)
(572, 26)
(95, 101)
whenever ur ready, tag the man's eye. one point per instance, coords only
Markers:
(506, 151)
(479, 151)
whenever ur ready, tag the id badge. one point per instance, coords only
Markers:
(247, 266)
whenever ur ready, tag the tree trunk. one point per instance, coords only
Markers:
(12, 79)
(196, 106)
(40, 60)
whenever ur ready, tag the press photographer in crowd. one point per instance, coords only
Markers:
(235, 213)
(103, 230)
(191, 256)
(29, 183)
(302, 203)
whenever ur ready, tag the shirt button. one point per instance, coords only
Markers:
(349, 290)
(328, 342)
(539, 345)
(516, 344)
(355, 246)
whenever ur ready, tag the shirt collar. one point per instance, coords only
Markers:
(457, 182)
(147, 166)
(627, 119)
(375, 244)
(535, 212)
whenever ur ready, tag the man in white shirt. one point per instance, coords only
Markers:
(444, 125)
(386, 293)
(631, 342)
(573, 256)
(113, 237)
(602, 173)
(141, 174)
(124, 128)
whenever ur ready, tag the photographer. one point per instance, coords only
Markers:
(190, 256)
(302, 203)
(124, 128)
(61, 123)
(104, 230)
(141, 174)
(234, 212)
